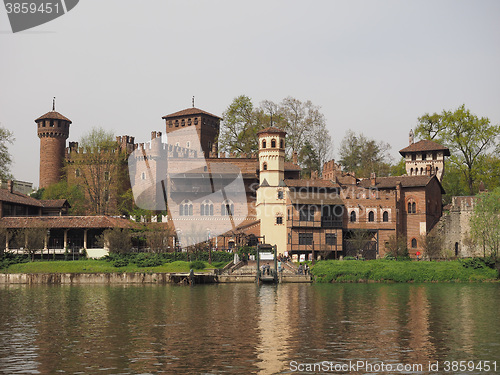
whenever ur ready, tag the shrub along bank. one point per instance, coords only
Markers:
(404, 271)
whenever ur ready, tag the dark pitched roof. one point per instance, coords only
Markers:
(19, 198)
(289, 166)
(300, 197)
(189, 112)
(272, 130)
(77, 222)
(406, 182)
(53, 115)
(310, 183)
(425, 145)
(54, 203)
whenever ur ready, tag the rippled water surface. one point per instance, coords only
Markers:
(243, 328)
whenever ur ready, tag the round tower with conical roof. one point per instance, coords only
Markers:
(53, 130)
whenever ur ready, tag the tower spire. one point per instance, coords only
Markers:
(193, 101)
(54, 103)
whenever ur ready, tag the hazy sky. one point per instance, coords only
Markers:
(373, 66)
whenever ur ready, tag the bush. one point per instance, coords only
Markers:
(148, 260)
(120, 263)
(197, 265)
(8, 258)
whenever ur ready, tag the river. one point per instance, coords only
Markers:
(247, 329)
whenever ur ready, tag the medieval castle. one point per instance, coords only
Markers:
(327, 215)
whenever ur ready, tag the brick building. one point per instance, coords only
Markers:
(337, 214)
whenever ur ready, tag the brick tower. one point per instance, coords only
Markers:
(53, 130)
(206, 124)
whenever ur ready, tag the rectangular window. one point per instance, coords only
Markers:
(279, 220)
(331, 239)
(280, 194)
(106, 176)
(305, 238)
(307, 213)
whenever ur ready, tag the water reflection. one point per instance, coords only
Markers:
(242, 328)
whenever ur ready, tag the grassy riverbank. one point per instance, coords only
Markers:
(96, 266)
(400, 271)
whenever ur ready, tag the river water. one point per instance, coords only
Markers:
(244, 328)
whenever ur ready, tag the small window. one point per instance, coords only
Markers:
(353, 217)
(409, 208)
(279, 220)
(170, 124)
(189, 122)
(106, 195)
(411, 172)
(264, 143)
(188, 144)
(385, 217)
(143, 176)
(413, 243)
(305, 238)
(331, 239)
(413, 157)
(424, 156)
(289, 216)
(196, 120)
(264, 166)
(414, 208)
(176, 123)
(106, 176)
(371, 216)
(289, 238)
(434, 156)
(207, 208)
(280, 194)
(282, 144)
(183, 122)
(273, 143)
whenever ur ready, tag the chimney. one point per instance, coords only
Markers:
(10, 186)
(295, 158)
(373, 178)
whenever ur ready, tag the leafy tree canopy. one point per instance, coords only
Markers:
(6, 136)
(363, 156)
(468, 137)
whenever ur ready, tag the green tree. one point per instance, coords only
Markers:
(6, 136)
(466, 135)
(118, 240)
(363, 156)
(398, 169)
(397, 246)
(432, 244)
(308, 158)
(74, 194)
(240, 126)
(100, 163)
(485, 222)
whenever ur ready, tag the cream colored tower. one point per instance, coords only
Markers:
(271, 194)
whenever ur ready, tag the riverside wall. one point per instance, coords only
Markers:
(103, 278)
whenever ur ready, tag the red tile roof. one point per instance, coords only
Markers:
(272, 130)
(310, 183)
(19, 198)
(425, 145)
(54, 203)
(391, 182)
(189, 112)
(66, 222)
(289, 166)
(53, 115)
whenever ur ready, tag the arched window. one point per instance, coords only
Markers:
(264, 143)
(371, 216)
(264, 166)
(456, 249)
(273, 143)
(282, 144)
(353, 217)
(409, 207)
(411, 172)
(421, 171)
(414, 208)
(207, 208)
(385, 217)
(413, 243)
(186, 208)
(227, 208)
